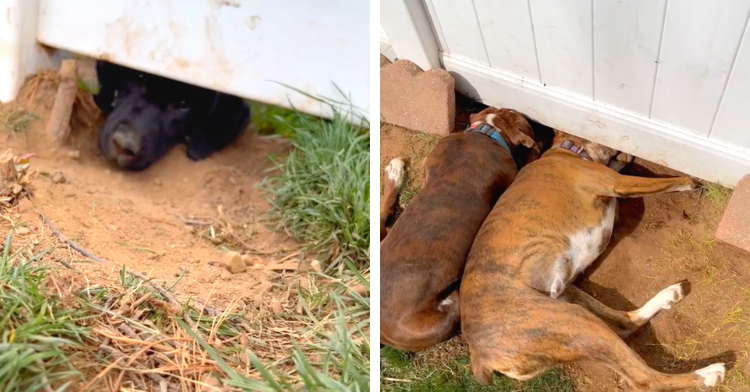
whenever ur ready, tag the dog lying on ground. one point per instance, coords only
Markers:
(147, 115)
(519, 312)
(423, 255)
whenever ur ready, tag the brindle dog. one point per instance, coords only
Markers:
(519, 313)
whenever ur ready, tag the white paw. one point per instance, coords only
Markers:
(689, 186)
(712, 375)
(670, 296)
(395, 171)
(445, 303)
(665, 299)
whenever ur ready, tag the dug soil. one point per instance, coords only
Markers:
(658, 241)
(172, 222)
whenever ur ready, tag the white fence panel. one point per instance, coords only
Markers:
(665, 80)
(244, 47)
(563, 42)
(509, 21)
(700, 43)
(732, 123)
(627, 35)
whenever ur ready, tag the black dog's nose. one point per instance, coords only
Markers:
(125, 146)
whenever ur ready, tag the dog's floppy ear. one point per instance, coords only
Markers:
(519, 138)
(519, 133)
(109, 76)
(225, 121)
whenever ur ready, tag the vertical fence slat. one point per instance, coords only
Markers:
(700, 42)
(458, 22)
(436, 25)
(564, 43)
(733, 118)
(407, 24)
(626, 50)
(508, 35)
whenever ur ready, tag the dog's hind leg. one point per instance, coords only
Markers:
(394, 177)
(631, 186)
(625, 323)
(557, 333)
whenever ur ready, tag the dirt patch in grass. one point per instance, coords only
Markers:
(658, 240)
(176, 216)
(173, 223)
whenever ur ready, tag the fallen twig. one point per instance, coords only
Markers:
(192, 222)
(70, 243)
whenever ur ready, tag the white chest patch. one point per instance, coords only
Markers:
(586, 244)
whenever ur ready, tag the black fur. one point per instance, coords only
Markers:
(147, 115)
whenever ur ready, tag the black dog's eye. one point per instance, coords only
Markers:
(140, 76)
(183, 106)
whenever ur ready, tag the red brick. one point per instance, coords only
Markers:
(418, 100)
(734, 228)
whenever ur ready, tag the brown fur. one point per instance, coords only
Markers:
(517, 329)
(423, 255)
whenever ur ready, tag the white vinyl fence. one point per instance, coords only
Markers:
(250, 48)
(666, 80)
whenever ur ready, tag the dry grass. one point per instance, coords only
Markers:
(420, 146)
(695, 249)
(17, 120)
(136, 337)
(85, 110)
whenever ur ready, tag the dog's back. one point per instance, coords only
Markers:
(425, 251)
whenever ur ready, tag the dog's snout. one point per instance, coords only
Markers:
(125, 146)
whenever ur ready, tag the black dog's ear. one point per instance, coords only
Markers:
(222, 125)
(108, 75)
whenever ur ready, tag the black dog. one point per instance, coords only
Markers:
(147, 115)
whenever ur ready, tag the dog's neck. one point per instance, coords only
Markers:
(578, 150)
(491, 131)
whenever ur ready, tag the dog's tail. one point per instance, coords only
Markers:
(394, 177)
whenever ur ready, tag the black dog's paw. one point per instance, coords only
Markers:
(224, 125)
(197, 151)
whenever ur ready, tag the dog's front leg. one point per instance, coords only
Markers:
(394, 177)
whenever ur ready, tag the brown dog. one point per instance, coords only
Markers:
(519, 313)
(423, 256)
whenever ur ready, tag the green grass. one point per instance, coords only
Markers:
(41, 332)
(17, 121)
(716, 193)
(321, 198)
(271, 119)
(452, 373)
(340, 346)
(36, 329)
(87, 86)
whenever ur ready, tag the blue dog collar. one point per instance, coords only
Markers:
(491, 131)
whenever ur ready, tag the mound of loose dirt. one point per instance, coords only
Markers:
(176, 218)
